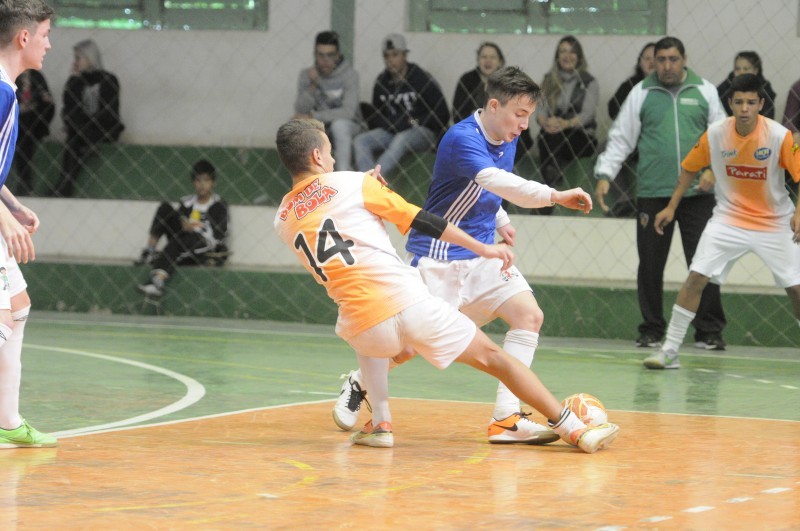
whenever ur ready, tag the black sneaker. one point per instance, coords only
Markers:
(711, 342)
(648, 341)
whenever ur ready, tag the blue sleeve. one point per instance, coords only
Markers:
(467, 153)
(8, 129)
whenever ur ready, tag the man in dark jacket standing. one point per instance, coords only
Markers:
(410, 111)
(90, 112)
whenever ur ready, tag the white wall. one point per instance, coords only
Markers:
(236, 88)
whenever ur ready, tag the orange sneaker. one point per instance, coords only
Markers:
(517, 428)
(377, 437)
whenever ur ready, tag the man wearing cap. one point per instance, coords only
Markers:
(328, 91)
(410, 111)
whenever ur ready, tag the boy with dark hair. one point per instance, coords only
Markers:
(754, 213)
(24, 41)
(195, 227)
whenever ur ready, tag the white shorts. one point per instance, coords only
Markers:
(11, 280)
(721, 245)
(434, 329)
(477, 286)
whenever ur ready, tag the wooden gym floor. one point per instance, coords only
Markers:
(201, 424)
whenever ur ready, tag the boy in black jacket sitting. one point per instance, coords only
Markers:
(195, 228)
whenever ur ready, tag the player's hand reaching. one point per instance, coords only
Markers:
(576, 199)
(27, 218)
(17, 237)
(707, 181)
(376, 172)
(501, 251)
(663, 219)
(507, 234)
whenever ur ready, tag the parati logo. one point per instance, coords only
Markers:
(750, 173)
(762, 153)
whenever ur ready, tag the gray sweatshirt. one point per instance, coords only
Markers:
(334, 97)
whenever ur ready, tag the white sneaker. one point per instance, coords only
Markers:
(517, 428)
(151, 290)
(663, 359)
(593, 438)
(377, 437)
(345, 411)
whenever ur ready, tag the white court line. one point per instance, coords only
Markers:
(194, 392)
(575, 351)
(195, 328)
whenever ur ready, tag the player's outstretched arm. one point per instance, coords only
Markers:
(438, 227)
(575, 198)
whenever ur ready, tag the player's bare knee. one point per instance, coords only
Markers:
(481, 354)
(695, 282)
(20, 301)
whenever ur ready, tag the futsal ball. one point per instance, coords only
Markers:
(587, 407)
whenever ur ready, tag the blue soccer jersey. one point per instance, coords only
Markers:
(8, 121)
(464, 151)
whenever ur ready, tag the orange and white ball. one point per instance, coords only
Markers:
(587, 407)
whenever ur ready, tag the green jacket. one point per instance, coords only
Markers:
(663, 126)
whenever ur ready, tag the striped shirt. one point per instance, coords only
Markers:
(464, 151)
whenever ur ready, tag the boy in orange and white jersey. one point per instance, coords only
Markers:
(334, 223)
(754, 212)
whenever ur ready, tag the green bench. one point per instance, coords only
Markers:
(148, 172)
(245, 175)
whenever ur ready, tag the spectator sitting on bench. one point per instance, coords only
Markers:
(195, 228)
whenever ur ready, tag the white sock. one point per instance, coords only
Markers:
(159, 278)
(521, 344)
(5, 334)
(566, 424)
(678, 325)
(798, 322)
(375, 379)
(11, 371)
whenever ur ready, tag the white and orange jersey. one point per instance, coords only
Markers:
(749, 186)
(334, 224)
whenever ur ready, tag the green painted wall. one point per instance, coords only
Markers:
(761, 320)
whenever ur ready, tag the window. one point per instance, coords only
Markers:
(599, 17)
(162, 14)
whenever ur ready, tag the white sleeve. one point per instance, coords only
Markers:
(623, 135)
(716, 111)
(501, 219)
(513, 188)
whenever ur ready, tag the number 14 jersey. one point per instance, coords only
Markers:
(334, 224)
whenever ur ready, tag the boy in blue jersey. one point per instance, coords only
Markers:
(24, 41)
(471, 177)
